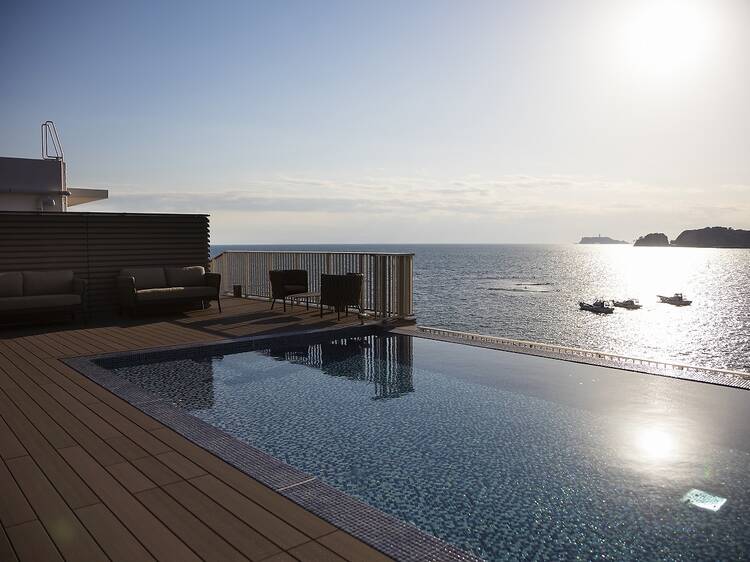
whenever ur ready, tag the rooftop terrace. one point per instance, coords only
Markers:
(87, 476)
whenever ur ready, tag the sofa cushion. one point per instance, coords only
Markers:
(174, 293)
(39, 301)
(185, 276)
(147, 277)
(47, 282)
(11, 284)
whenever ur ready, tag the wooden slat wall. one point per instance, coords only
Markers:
(96, 246)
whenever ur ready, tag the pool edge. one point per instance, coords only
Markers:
(391, 536)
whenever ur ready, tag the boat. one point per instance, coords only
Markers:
(630, 304)
(599, 307)
(677, 299)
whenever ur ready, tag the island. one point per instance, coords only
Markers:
(714, 237)
(653, 239)
(600, 240)
(709, 237)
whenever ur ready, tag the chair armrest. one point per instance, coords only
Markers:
(79, 286)
(126, 290)
(213, 280)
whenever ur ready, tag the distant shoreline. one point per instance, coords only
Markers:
(601, 240)
(710, 237)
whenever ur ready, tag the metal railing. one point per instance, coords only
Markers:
(583, 355)
(387, 289)
(49, 134)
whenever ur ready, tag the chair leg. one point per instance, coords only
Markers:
(273, 302)
(218, 301)
(284, 301)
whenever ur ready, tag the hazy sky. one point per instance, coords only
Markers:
(405, 121)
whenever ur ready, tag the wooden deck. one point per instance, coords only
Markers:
(84, 476)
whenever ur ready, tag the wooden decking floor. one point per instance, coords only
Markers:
(85, 476)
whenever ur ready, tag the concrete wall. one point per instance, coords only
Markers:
(26, 184)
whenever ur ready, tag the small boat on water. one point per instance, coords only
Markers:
(630, 304)
(599, 307)
(677, 300)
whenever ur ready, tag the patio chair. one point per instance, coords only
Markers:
(341, 292)
(286, 282)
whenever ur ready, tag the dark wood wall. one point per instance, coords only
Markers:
(96, 246)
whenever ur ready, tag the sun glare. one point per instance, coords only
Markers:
(668, 38)
(655, 444)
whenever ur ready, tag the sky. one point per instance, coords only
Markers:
(393, 121)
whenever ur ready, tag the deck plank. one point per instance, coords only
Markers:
(73, 453)
(140, 436)
(67, 482)
(10, 446)
(116, 541)
(315, 552)
(63, 527)
(73, 427)
(248, 541)
(130, 477)
(14, 507)
(7, 554)
(204, 541)
(32, 543)
(311, 525)
(345, 545)
(149, 529)
(269, 525)
(156, 470)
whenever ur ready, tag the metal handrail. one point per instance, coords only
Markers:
(49, 132)
(578, 352)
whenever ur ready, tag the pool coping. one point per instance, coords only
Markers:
(391, 536)
(717, 378)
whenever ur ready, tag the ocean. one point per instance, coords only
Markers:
(531, 291)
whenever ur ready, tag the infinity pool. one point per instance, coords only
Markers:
(506, 456)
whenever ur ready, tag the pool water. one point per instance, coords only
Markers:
(504, 455)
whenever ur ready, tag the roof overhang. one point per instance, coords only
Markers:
(80, 195)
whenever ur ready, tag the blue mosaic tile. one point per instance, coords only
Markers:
(435, 451)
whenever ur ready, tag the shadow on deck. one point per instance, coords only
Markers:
(86, 476)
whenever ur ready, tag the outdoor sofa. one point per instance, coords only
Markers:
(140, 287)
(36, 292)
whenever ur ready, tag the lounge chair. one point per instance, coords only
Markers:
(287, 282)
(341, 292)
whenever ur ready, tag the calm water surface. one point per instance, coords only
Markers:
(509, 456)
(532, 292)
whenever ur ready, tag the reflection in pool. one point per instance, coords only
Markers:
(505, 455)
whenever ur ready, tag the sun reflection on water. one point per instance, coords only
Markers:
(655, 444)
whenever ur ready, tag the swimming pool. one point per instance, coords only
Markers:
(503, 455)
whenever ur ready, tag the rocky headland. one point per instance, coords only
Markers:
(709, 237)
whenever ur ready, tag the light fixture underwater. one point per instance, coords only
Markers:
(704, 500)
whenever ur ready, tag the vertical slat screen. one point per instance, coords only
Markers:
(96, 246)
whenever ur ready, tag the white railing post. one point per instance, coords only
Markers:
(387, 286)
